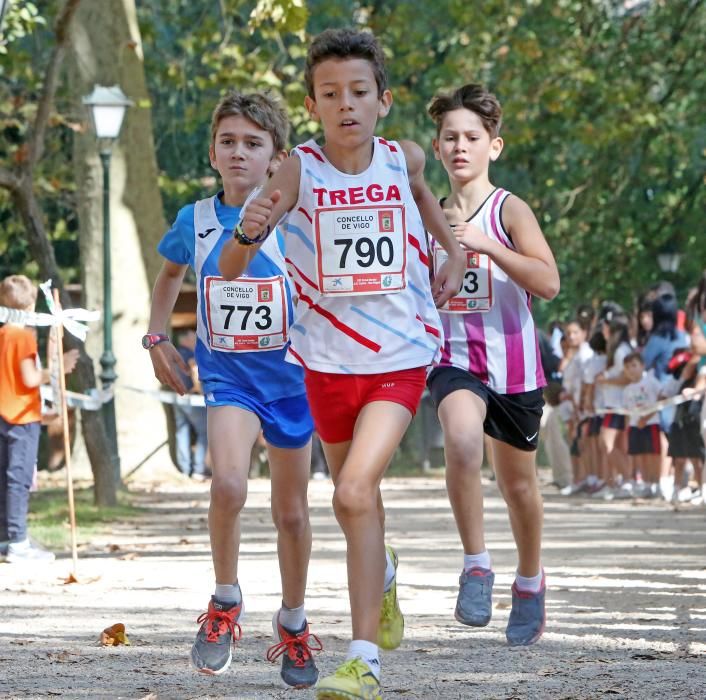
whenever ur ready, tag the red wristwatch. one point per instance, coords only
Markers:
(151, 339)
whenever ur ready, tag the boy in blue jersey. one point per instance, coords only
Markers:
(242, 329)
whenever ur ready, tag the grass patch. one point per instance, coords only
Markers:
(49, 516)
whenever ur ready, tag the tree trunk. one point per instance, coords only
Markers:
(96, 440)
(106, 50)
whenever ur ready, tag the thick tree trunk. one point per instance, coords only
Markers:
(106, 50)
(95, 437)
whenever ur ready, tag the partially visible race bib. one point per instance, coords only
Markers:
(246, 314)
(476, 293)
(361, 250)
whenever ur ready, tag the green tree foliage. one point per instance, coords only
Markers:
(604, 109)
(24, 51)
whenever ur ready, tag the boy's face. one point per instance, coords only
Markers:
(575, 335)
(346, 101)
(633, 371)
(464, 147)
(243, 153)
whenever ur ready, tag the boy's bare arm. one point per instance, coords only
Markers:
(531, 264)
(278, 196)
(448, 280)
(164, 356)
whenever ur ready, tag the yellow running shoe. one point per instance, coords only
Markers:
(391, 626)
(353, 680)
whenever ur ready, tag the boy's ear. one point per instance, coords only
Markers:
(212, 155)
(277, 160)
(385, 104)
(310, 105)
(496, 148)
(435, 146)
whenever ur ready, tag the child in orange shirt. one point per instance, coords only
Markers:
(20, 420)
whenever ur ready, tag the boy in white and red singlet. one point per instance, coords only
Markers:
(489, 378)
(366, 326)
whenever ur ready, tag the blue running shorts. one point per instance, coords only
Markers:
(286, 423)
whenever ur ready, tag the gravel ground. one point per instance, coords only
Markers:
(626, 603)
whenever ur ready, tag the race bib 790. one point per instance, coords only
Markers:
(361, 249)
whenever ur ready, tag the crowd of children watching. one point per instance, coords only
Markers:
(606, 370)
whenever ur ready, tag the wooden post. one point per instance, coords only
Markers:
(59, 329)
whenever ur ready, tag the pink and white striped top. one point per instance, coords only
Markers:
(499, 346)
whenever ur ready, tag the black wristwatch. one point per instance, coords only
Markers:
(151, 339)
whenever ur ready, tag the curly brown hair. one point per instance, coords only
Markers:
(346, 43)
(476, 99)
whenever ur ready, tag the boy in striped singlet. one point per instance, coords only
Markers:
(489, 378)
(366, 326)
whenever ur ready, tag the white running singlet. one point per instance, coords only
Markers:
(356, 252)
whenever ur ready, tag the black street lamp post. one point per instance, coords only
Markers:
(108, 105)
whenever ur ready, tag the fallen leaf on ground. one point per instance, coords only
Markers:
(114, 635)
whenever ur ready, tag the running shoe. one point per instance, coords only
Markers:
(527, 617)
(298, 667)
(212, 650)
(353, 680)
(391, 626)
(474, 605)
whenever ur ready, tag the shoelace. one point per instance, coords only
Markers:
(217, 623)
(297, 646)
(354, 667)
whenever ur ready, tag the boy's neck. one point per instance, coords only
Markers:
(350, 161)
(467, 197)
(234, 196)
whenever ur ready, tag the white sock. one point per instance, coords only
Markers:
(471, 561)
(19, 546)
(292, 619)
(591, 479)
(532, 584)
(228, 593)
(367, 652)
(389, 571)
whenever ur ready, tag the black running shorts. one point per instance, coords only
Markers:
(510, 418)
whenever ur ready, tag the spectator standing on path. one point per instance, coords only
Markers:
(20, 419)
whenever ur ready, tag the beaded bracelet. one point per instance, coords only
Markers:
(240, 236)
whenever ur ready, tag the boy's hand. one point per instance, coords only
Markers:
(642, 421)
(470, 236)
(448, 279)
(165, 360)
(258, 214)
(70, 360)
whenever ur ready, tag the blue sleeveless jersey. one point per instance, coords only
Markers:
(262, 374)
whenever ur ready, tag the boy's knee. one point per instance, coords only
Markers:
(518, 491)
(352, 499)
(466, 455)
(228, 494)
(292, 521)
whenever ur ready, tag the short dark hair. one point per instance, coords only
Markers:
(346, 43)
(634, 357)
(476, 99)
(261, 108)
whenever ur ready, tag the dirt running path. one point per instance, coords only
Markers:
(626, 604)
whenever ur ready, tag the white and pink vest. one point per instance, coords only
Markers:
(496, 339)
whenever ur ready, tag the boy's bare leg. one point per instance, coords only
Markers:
(462, 414)
(517, 481)
(356, 501)
(232, 432)
(289, 474)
